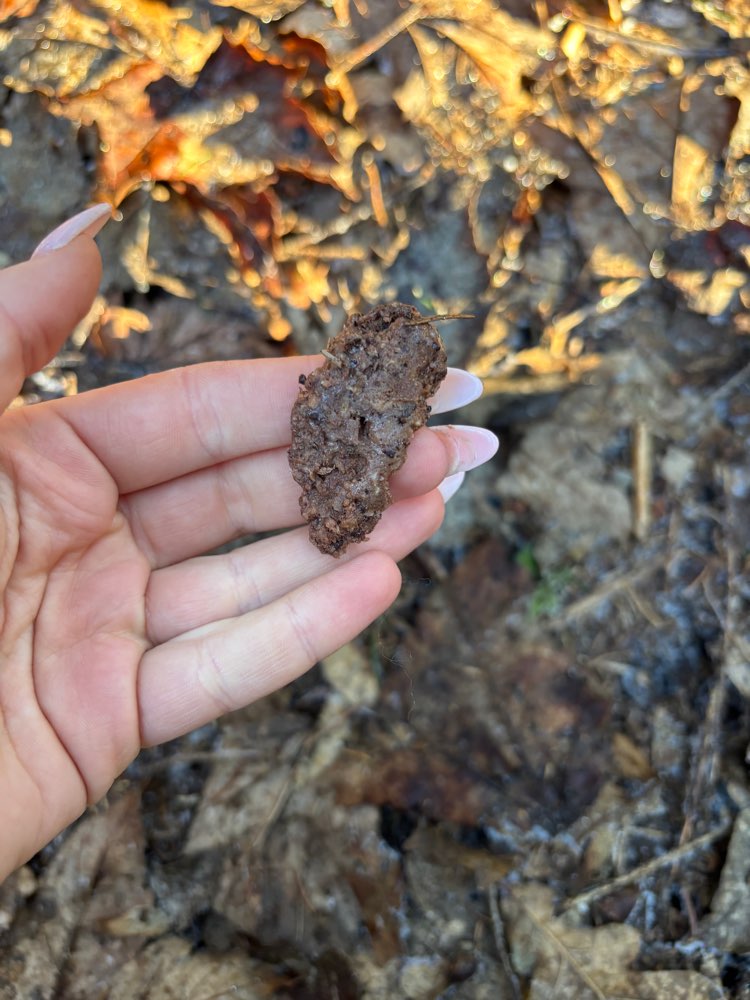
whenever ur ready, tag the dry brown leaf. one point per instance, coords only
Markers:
(122, 114)
(709, 124)
(631, 760)
(599, 74)
(457, 136)
(564, 961)
(488, 49)
(104, 845)
(58, 51)
(228, 135)
(323, 25)
(117, 323)
(74, 49)
(709, 293)
(168, 969)
(157, 31)
(505, 51)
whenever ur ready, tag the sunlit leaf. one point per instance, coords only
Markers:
(693, 174)
(710, 293)
(17, 8)
(732, 16)
(122, 114)
(160, 32)
(504, 53)
(56, 52)
(321, 24)
(737, 182)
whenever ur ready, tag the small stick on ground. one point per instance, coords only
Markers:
(498, 933)
(643, 474)
(705, 773)
(673, 857)
(613, 585)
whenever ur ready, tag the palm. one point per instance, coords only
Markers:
(116, 632)
(74, 631)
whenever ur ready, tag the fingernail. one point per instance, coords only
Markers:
(450, 485)
(459, 388)
(89, 221)
(469, 446)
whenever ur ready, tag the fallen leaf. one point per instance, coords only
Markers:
(710, 293)
(727, 926)
(631, 760)
(504, 49)
(160, 32)
(565, 961)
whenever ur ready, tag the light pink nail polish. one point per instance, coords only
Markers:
(450, 485)
(89, 221)
(459, 389)
(469, 446)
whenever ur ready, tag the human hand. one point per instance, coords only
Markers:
(115, 632)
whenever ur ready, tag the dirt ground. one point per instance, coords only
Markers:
(530, 778)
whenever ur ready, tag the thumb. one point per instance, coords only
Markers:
(42, 299)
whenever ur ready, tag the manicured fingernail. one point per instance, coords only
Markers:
(89, 221)
(458, 389)
(450, 485)
(470, 446)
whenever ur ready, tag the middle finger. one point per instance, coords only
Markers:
(198, 512)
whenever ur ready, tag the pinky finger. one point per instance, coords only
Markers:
(218, 668)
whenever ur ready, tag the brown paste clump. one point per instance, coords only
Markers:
(355, 416)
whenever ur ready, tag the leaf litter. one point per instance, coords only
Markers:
(530, 778)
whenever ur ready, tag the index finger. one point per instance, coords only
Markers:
(163, 426)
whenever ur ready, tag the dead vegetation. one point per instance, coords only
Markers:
(530, 780)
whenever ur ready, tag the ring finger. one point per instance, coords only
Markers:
(210, 588)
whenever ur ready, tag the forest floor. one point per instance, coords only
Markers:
(530, 777)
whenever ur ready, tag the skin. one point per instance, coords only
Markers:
(115, 633)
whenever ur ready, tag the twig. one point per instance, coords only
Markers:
(645, 608)
(438, 319)
(687, 902)
(377, 201)
(279, 803)
(634, 41)
(498, 933)
(673, 857)
(332, 358)
(410, 16)
(610, 587)
(697, 417)
(643, 472)
(705, 772)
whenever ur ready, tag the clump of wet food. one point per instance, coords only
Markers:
(355, 416)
